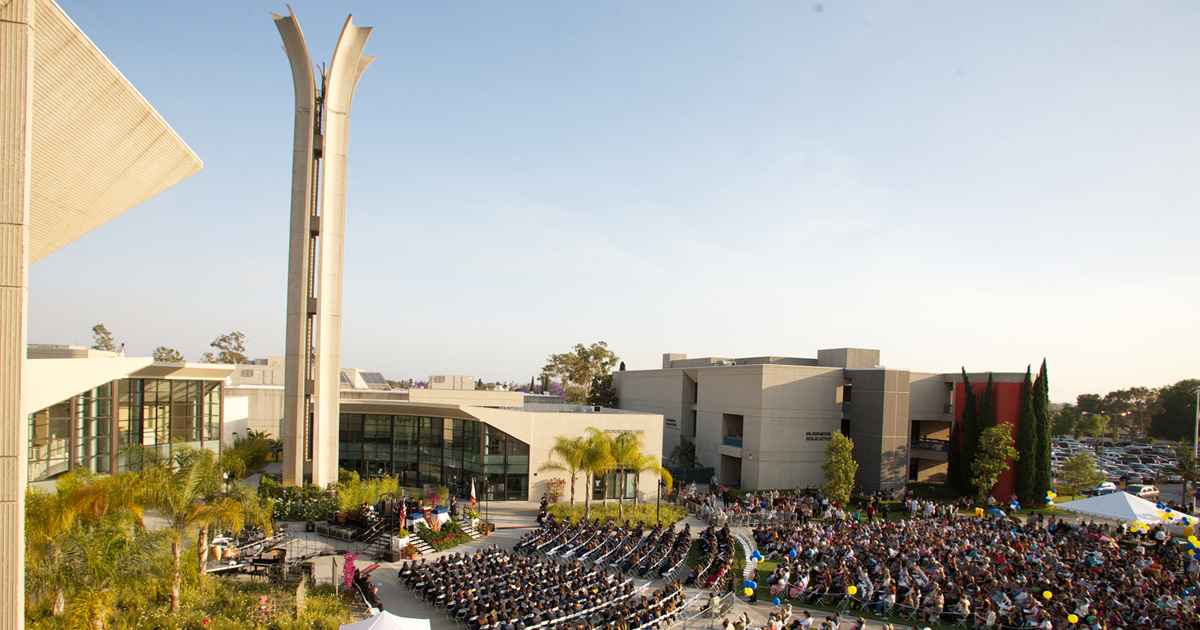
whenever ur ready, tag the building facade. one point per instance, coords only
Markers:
(428, 437)
(764, 422)
(127, 407)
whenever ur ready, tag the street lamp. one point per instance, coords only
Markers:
(658, 502)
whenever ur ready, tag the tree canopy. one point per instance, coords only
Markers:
(1079, 473)
(232, 349)
(839, 468)
(577, 369)
(102, 339)
(168, 355)
(995, 449)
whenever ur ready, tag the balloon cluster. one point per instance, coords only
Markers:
(749, 587)
(1139, 527)
(755, 556)
(1051, 494)
(1164, 512)
(1192, 545)
(1016, 505)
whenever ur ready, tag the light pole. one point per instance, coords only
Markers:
(658, 502)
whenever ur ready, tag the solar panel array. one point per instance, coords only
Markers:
(373, 378)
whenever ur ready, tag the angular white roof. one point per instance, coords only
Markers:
(1122, 506)
(98, 148)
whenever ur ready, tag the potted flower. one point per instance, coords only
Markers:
(554, 488)
(408, 552)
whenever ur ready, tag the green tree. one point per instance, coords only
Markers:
(566, 456)
(987, 406)
(1064, 421)
(627, 450)
(167, 355)
(954, 469)
(578, 368)
(684, 454)
(839, 468)
(995, 449)
(1176, 410)
(1187, 467)
(178, 496)
(1091, 403)
(596, 463)
(232, 349)
(968, 436)
(602, 392)
(102, 339)
(1092, 425)
(1027, 444)
(1079, 473)
(1041, 412)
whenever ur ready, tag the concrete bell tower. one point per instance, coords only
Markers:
(315, 251)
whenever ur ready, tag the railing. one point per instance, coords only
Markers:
(941, 446)
(733, 441)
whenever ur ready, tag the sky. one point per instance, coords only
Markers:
(979, 184)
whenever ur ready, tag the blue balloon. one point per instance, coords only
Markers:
(754, 585)
(775, 601)
(792, 553)
(747, 584)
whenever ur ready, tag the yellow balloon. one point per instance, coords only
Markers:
(749, 591)
(1193, 539)
(1047, 594)
(852, 589)
(1073, 618)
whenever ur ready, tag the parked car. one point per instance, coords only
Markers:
(1147, 492)
(1107, 487)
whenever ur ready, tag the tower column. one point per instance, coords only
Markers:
(318, 215)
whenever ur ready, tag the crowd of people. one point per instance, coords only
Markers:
(982, 572)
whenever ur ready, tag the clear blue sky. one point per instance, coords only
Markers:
(980, 184)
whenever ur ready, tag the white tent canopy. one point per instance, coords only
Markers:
(387, 621)
(1122, 506)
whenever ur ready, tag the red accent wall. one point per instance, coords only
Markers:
(1007, 397)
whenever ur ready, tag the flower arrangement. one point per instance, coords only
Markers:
(348, 569)
(555, 486)
(408, 552)
(433, 498)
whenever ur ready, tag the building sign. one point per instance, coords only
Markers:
(818, 436)
(670, 423)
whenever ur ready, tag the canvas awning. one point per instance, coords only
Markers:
(1122, 506)
(387, 621)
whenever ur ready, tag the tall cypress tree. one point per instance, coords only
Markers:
(1041, 414)
(987, 407)
(968, 434)
(1027, 445)
(954, 457)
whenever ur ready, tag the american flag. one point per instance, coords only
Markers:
(472, 494)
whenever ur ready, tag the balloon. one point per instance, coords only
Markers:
(792, 553)
(749, 591)
(852, 589)
(1073, 618)
(746, 584)
(1192, 539)
(1047, 594)
(775, 601)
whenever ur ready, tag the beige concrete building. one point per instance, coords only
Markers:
(80, 147)
(764, 422)
(448, 437)
(90, 406)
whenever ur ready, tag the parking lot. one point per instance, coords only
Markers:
(1128, 465)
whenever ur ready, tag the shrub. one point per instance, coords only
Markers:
(451, 534)
(641, 513)
(297, 503)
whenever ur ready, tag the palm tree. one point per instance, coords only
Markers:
(82, 501)
(626, 454)
(179, 496)
(570, 450)
(597, 461)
